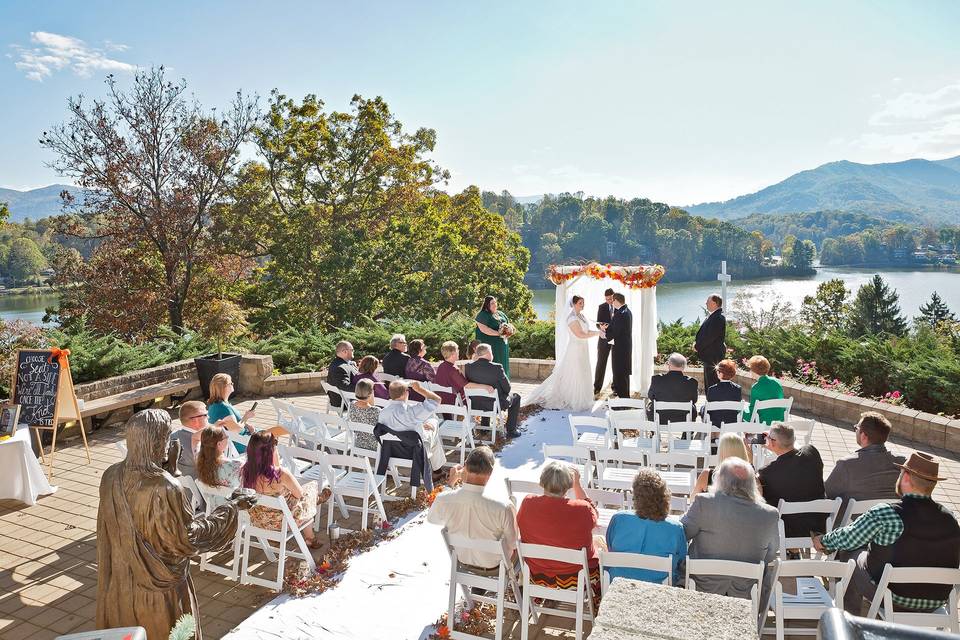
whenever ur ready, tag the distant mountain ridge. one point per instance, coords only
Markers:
(35, 203)
(930, 188)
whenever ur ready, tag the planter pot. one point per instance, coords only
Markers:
(209, 366)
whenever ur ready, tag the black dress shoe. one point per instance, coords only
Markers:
(513, 434)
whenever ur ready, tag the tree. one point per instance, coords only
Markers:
(25, 260)
(935, 312)
(154, 167)
(876, 310)
(827, 310)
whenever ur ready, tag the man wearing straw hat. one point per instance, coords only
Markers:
(912, 532)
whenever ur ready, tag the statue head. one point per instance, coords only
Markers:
(148, 432)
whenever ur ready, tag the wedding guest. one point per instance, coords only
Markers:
(673, 386)
(368, 371)
(364, 411)
(395, 362)
(263, 473)
(341, 371)
(724, 391)
(467, 512)
(401, 414)
(915, 531)
(709, 345)
(730, 446)
(796, 475)
(538, 520)
(870, 472)
(193, 418)
(472, 349)
(418, 368)
(448, 375)
(732, 523)
(485, 371)
(650, 530)
(765, 388)
(213, 469)
(220, 412)
(490, 322)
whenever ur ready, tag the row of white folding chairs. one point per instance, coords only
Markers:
(616, 404)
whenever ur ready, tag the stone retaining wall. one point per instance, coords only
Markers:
(135, 379)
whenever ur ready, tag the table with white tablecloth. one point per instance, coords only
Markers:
(22, 477)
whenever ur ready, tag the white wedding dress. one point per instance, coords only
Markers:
(570, 386)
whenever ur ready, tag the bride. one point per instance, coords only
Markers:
(570, 386)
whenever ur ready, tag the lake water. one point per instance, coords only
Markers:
(28, 307)
(685, 299)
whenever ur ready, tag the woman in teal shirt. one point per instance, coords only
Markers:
(765, 388)
(220, 411)
(489, 321)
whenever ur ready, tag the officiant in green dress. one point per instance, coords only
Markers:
(490, 321)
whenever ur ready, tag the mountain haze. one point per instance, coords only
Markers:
(35, 203)
(930, 188)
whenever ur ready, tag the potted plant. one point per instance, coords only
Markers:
(222, 321)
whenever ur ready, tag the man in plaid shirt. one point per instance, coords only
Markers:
(913, 532)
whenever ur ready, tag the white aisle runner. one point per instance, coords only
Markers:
(369, 603)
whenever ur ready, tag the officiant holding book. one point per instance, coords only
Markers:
(494, 328)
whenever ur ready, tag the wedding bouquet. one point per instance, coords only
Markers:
(507, 330)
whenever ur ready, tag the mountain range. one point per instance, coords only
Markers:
(929, 189)
(35, 203)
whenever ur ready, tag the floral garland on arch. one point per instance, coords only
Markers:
(638, 277)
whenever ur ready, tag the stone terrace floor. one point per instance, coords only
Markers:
(48, 571)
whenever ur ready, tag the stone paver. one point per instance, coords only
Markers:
(48, 569)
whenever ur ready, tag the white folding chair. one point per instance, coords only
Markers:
(522, 487)
(776, 403)
(237, 438)
(286, 417)
(647, 436)
(121, 446)
(811, 598)
(802, 429)
(678, 505)
(309, 465)
(323, 430)
(575, 603)
(589, 432)
(455, 427)
(574, 455)
(492, 414)
(828, 507)
(622, 560)
(386, 377)
(214, 497)
(856, 508)
(730, 569)
(616, 468)
(690, 437)
(723, 405)
(188, 483)
(290, 530)
(659, 405)
(351, 477)
(330, 389)
(945, 617)
(470, 581)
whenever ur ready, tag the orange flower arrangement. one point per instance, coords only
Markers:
(639, 277)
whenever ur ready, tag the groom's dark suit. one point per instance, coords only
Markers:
(604, 315)
(621, 332)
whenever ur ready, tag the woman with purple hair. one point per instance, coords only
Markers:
(263, 473)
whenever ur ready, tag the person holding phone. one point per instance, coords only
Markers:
(221, 413)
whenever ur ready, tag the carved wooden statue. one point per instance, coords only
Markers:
(147, 533)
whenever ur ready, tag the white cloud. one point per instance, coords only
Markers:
(915, 123)
(52, 52)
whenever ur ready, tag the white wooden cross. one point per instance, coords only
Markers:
(724, 278)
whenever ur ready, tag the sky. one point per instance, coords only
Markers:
(680, 102)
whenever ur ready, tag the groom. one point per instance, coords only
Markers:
(620, 333)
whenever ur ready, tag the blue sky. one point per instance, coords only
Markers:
(681, 102)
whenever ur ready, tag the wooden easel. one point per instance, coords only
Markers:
(66, 409)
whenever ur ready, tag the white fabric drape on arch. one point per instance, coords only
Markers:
(643, 305)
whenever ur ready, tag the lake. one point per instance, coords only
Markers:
(29, 307)
(685, 299)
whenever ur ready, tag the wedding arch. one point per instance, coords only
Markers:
(637, 283)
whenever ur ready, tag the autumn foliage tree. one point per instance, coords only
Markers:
(154, 167)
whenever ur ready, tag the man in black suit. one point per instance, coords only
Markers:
(796, 476)
(620, 333)
(484, 370)
(395, 362)
(710, 346)
(604, 315)
(341, 371)
(672, 386)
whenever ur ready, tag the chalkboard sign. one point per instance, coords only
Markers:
(36, 385)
